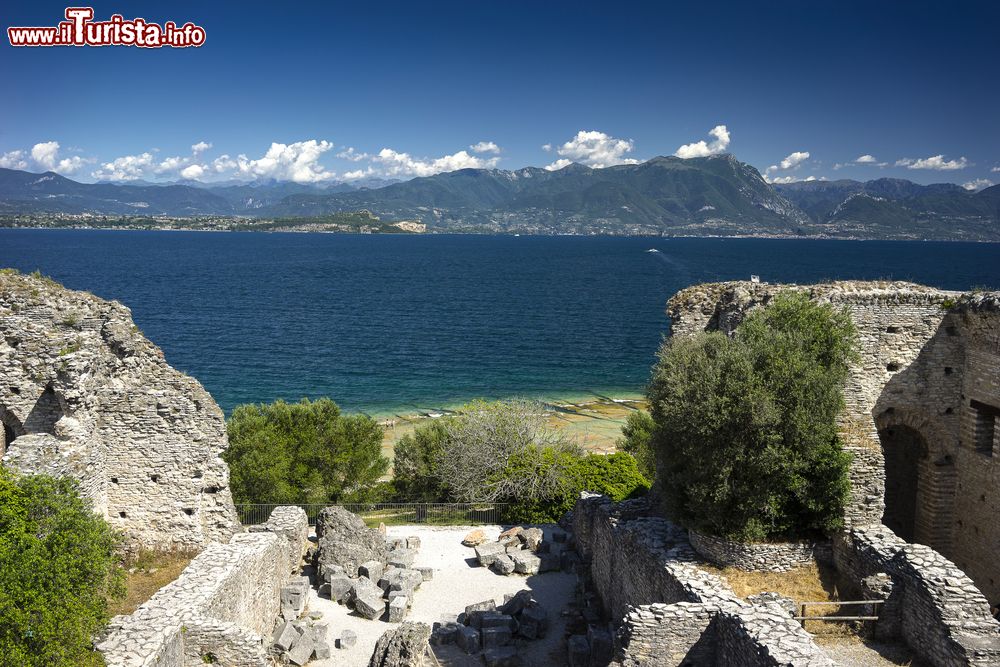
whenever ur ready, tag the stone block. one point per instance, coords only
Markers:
(302, 650)
(397, 608)
(548, 562)
(396, 543)
(558, 536)
(494, 619)
(526, 562)
(515, 603)
(284, 636)
(533, 621)
(339, 588)
(347, 639)
(495, 636)
(407, 581)
(468, 639)
(363, 587)
(371, 569)
(487, 553)
(402, 558)
(370, 606)
(485, 605)
(513, 549)
(321, 650)
(578, 651)
(474, 538)
(503, 565)
(511, 532)
(427, 573)
(444, 634)
(532, 537)
(413, 542)
(501, 656)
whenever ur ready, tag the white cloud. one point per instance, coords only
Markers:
(297, 162)
(125, 168)
(350, 154)
(224, 163)
(357, 173)
(596, 149)
(193, 171)
(936, 162)
(171, 164)
(403, 164)
(995, 170)
(794, 160)
(866, 159)
(792, 179)
(703, 148)
(200, 147)
(547, 147)
(13, 160)
(558, 164)
(484, 147)
(977, 184)
(46, 156)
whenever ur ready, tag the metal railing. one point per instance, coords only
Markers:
(442, 514)
(872, 611)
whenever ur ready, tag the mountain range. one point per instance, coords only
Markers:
(710, 196)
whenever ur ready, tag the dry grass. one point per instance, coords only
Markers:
(148, 572)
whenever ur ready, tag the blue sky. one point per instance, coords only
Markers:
(909, 87)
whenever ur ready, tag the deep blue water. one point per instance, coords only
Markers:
(399, 323)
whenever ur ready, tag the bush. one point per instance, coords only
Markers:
(636, 439)
(58, 570)
(415, 463)
(306, 452)
(615, 475)
(746, 435)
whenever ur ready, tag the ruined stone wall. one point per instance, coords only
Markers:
(760, 557)
(667, 610)
(927, 384)
(223, 605)
(84, 394)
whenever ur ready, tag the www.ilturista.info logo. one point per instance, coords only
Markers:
(79, 29)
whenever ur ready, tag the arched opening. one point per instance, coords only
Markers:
(11, 429)
(905, 453)
(48, 410)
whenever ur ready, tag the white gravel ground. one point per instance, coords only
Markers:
(458, 581)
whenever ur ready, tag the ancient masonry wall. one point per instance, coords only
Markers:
(923, 405)
(221, 607)
(84, 394)
(668, 611)
(769, 557)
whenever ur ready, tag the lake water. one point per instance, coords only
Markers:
(398, 324)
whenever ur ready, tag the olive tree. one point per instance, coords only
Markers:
(746, 427)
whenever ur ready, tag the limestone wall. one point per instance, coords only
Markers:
(224, 604)
(85, 394)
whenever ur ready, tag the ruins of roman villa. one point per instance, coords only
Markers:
(920, 541)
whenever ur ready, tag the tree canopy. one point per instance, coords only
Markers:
(746, 427)
(306, 452)
(58, 570)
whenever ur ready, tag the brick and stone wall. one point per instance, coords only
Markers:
(84, 394)
(222, 607)
(760, 557)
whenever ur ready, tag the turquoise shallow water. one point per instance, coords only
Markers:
(391, 324)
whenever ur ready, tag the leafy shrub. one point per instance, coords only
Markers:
(746, 434)
(306, 452)
(636, 439)
(58, 570)
(415, 463)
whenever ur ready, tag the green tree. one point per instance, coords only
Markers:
(306, 452)
(637, 434)
(58, 570)
(746, 431)
(415, 463)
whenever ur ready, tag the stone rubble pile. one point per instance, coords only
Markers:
(523, 551)
(358, 567)
(493, 632)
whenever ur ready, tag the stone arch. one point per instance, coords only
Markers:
(920, 478)
(11, 429)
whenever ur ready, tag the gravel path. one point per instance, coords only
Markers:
(458, 581)
(852, 652)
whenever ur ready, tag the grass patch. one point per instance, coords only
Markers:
(148, 572)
